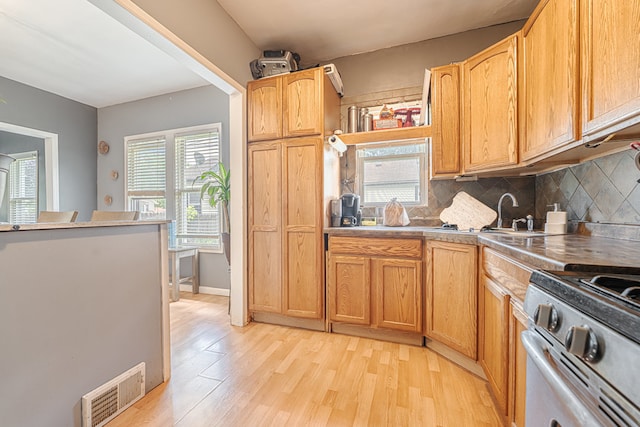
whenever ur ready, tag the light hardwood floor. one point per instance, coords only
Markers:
(266, 375)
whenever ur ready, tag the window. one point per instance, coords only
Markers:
(161, 169)
(387, 171)
(23, 188)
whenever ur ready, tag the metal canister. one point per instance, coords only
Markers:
(361, 112)
(367, 122)
(352, 119)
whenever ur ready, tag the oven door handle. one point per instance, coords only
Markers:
(577, 408)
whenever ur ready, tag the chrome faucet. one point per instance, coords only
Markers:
(515, 205)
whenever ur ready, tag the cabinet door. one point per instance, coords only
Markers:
(451, 300)
(445, 143)
(518, 366)
(490, 107)
(397, 284)
(264, 109)
(349, 289)
(265, 231)
(302, 103)
(549, 98)
(494, 339)
(302, 216)
(610, 65)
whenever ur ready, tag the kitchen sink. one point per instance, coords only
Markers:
(511, 232)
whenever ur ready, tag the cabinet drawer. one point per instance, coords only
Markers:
(510, 274)
(405, 248)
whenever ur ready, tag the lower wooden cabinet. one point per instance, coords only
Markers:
(517, 366)
(451, 296)
(375, 282)
(397, 285)
(348, 281)
(494, 338)
(504, 282)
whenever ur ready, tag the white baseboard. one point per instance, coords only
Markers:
(206, 290)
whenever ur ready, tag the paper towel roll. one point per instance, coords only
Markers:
(556, 217)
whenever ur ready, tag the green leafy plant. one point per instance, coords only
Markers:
(216, 185)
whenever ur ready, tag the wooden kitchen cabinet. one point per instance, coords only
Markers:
(490, 114)
(549, 80)
(290, 105)
(265, 227)
(517, 366)
(494, 338)
(451, 296)
(504, 283)
(397, 285)
(375, 282)
(264, 109)
(303, 220)
(445, 107)
(610, 67)
(291, 178)
(285, 227)
(349, 289)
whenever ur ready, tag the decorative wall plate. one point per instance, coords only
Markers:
(103, 147)
(108, 200)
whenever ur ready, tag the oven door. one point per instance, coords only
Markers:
(551, 400)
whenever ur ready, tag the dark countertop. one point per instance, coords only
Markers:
(548, 252)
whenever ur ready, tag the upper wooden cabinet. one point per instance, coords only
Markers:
(445, 107)
(549, 80)
(265, 109)
(490, 99)
(610, 67)
(303, 103)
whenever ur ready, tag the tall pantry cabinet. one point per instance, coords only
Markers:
(292, 175)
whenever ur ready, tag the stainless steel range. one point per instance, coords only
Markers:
(583, 349)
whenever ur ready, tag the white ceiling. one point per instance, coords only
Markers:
(73, 49)
(321, 30)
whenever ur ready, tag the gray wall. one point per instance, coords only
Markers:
(403, 66)
(71, 321)
(11, 143)
(76, 126)
(171, 111)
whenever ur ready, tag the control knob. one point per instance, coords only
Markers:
(546, 317)
(582, 342)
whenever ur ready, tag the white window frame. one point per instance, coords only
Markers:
(171, 192)
(422, 157)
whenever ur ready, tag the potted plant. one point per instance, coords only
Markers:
(216, 186)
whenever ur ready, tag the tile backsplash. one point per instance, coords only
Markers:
(603, 190)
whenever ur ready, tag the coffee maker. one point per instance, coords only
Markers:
(351, 213)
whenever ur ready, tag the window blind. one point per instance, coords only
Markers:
(23, 188)
(196, 221)
(146, 177)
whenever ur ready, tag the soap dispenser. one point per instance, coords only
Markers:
(556, 220)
